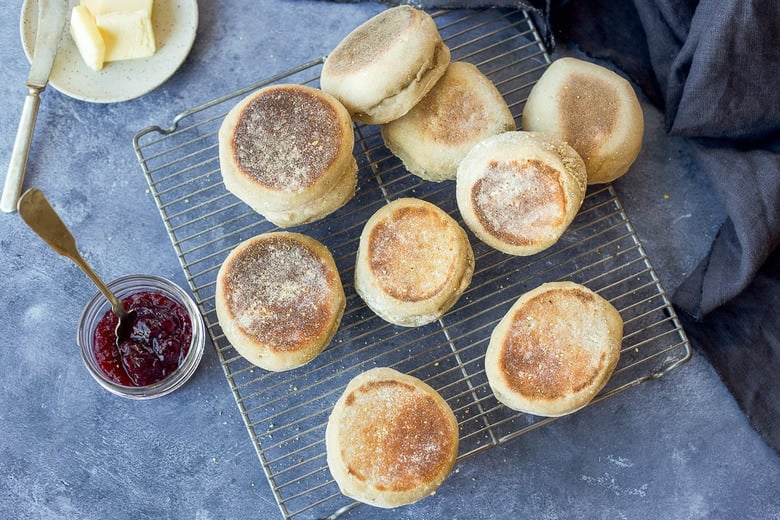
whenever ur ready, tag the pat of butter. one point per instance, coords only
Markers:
(127, 34)
(87, 36)
(110, 6)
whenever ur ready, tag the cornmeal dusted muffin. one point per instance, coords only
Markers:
(391, 439)
(279, 299)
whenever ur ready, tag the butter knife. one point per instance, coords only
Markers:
(52, 15)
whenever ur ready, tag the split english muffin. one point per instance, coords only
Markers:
(279, 299)
(462, 109)
(383, 67)
(593, 109)
(391, 439)
(554, 350)
(519, 191)
(286, 151)
(413, 263)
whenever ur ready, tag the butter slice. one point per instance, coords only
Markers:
(87, 36)
(127, 34)
(109, 6)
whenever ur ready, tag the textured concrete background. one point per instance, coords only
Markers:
(674, 448)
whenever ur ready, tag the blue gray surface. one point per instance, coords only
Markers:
(674, 448)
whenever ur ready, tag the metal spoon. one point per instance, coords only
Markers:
(36, 211)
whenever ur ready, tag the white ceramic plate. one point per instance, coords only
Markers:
(175, 23)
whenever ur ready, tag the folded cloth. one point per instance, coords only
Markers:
(742, 339)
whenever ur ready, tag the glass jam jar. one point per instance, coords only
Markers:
(148, 364)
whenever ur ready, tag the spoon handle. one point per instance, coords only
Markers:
(37, 213)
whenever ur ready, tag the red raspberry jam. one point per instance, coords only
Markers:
(159, 338)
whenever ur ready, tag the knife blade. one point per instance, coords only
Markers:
(52, 15)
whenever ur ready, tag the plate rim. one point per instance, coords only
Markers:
(184, 42)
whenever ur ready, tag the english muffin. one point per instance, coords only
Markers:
(462, 109)
(554, 350)
(279, 299)
(391, 439)
(413, 263)
(519, 191)
(386, 65)
(593, 109)
(286, 151)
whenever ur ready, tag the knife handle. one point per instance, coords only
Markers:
(16, 168)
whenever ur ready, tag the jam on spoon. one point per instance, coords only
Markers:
(157, 340)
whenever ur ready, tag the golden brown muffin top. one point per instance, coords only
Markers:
(556, 345)
(395, 437)
(280, 291)
(519, 202)
(287, 137)
(413, 252)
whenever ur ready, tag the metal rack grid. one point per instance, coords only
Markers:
(286, 413)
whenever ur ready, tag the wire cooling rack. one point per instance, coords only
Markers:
(286, 413)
